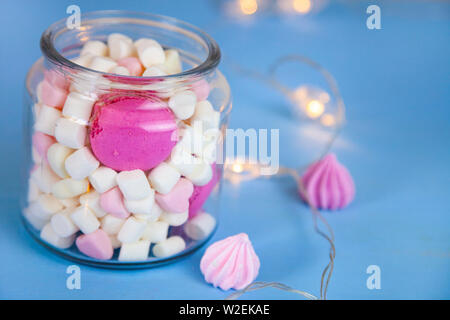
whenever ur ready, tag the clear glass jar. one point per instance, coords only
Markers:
(95, 138)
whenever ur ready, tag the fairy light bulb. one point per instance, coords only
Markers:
(301, 6)
(328, 120)
(248, 7)
(237, 167)
(314, 109)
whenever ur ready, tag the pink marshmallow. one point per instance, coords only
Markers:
(133, 65)
(95, 245)
(56, 79)
(177, 200)
(112, 202)
(201, 89)
(41, 142)
(201, 193)
(53, 96)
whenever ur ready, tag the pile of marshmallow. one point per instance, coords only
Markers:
(120, 173)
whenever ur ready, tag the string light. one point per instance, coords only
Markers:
(328, 120)
(248, 7)
(295, 6)
(237, 168)
(314, 100)
(314, 109)
(301, 6)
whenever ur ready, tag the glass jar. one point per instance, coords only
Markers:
(123, 169)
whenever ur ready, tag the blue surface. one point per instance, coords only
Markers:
(395, 82)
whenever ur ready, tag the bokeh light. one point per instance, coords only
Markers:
(301, 6)
(248, 7)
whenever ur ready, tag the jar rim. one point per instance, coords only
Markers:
(205, 67)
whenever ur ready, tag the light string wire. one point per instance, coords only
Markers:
(328, 235)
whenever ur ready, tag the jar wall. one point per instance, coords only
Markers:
(123, 161)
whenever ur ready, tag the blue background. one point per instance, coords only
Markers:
(395, 82)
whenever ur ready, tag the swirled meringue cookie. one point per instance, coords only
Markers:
(328, 184)
(230, 263)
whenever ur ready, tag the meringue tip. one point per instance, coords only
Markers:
(230, 263)
(328, 184)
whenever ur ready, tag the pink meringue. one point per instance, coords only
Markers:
(230, 263)
(328, 184)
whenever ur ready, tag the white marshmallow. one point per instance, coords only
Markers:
(133, 184)
(164, 177)
(143, 217)
(37, 222)
(62, 223)
(114, 241)
(84, 60)
(33, 191)
(36, 108)
(70, 133)
(94, 47)
(201, 175)
(47, 120)
(172, 64)
(49, 235)
(102, 64)
(92, 201)
(156, 212)
(156, 231)
(120, 46)
(183, 104)
(44, 177)
(89, 86)
(131, 230)
(81, 163)
(143, 206)
(69, 188)
(205, 113)
(209, 152)
(153, 71)
(150, 52)
(111, 224)
(153, 216)
(85, 219)
(135, 251)
(169, 247)
(182, 160)
(56, 156)
(191, 138)
(70, 202)
(103, 179)
(174, 219)
(78, 107)
(200, 226)
(120, 71)
(45, 206)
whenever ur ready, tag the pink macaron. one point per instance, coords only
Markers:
(132, 131)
